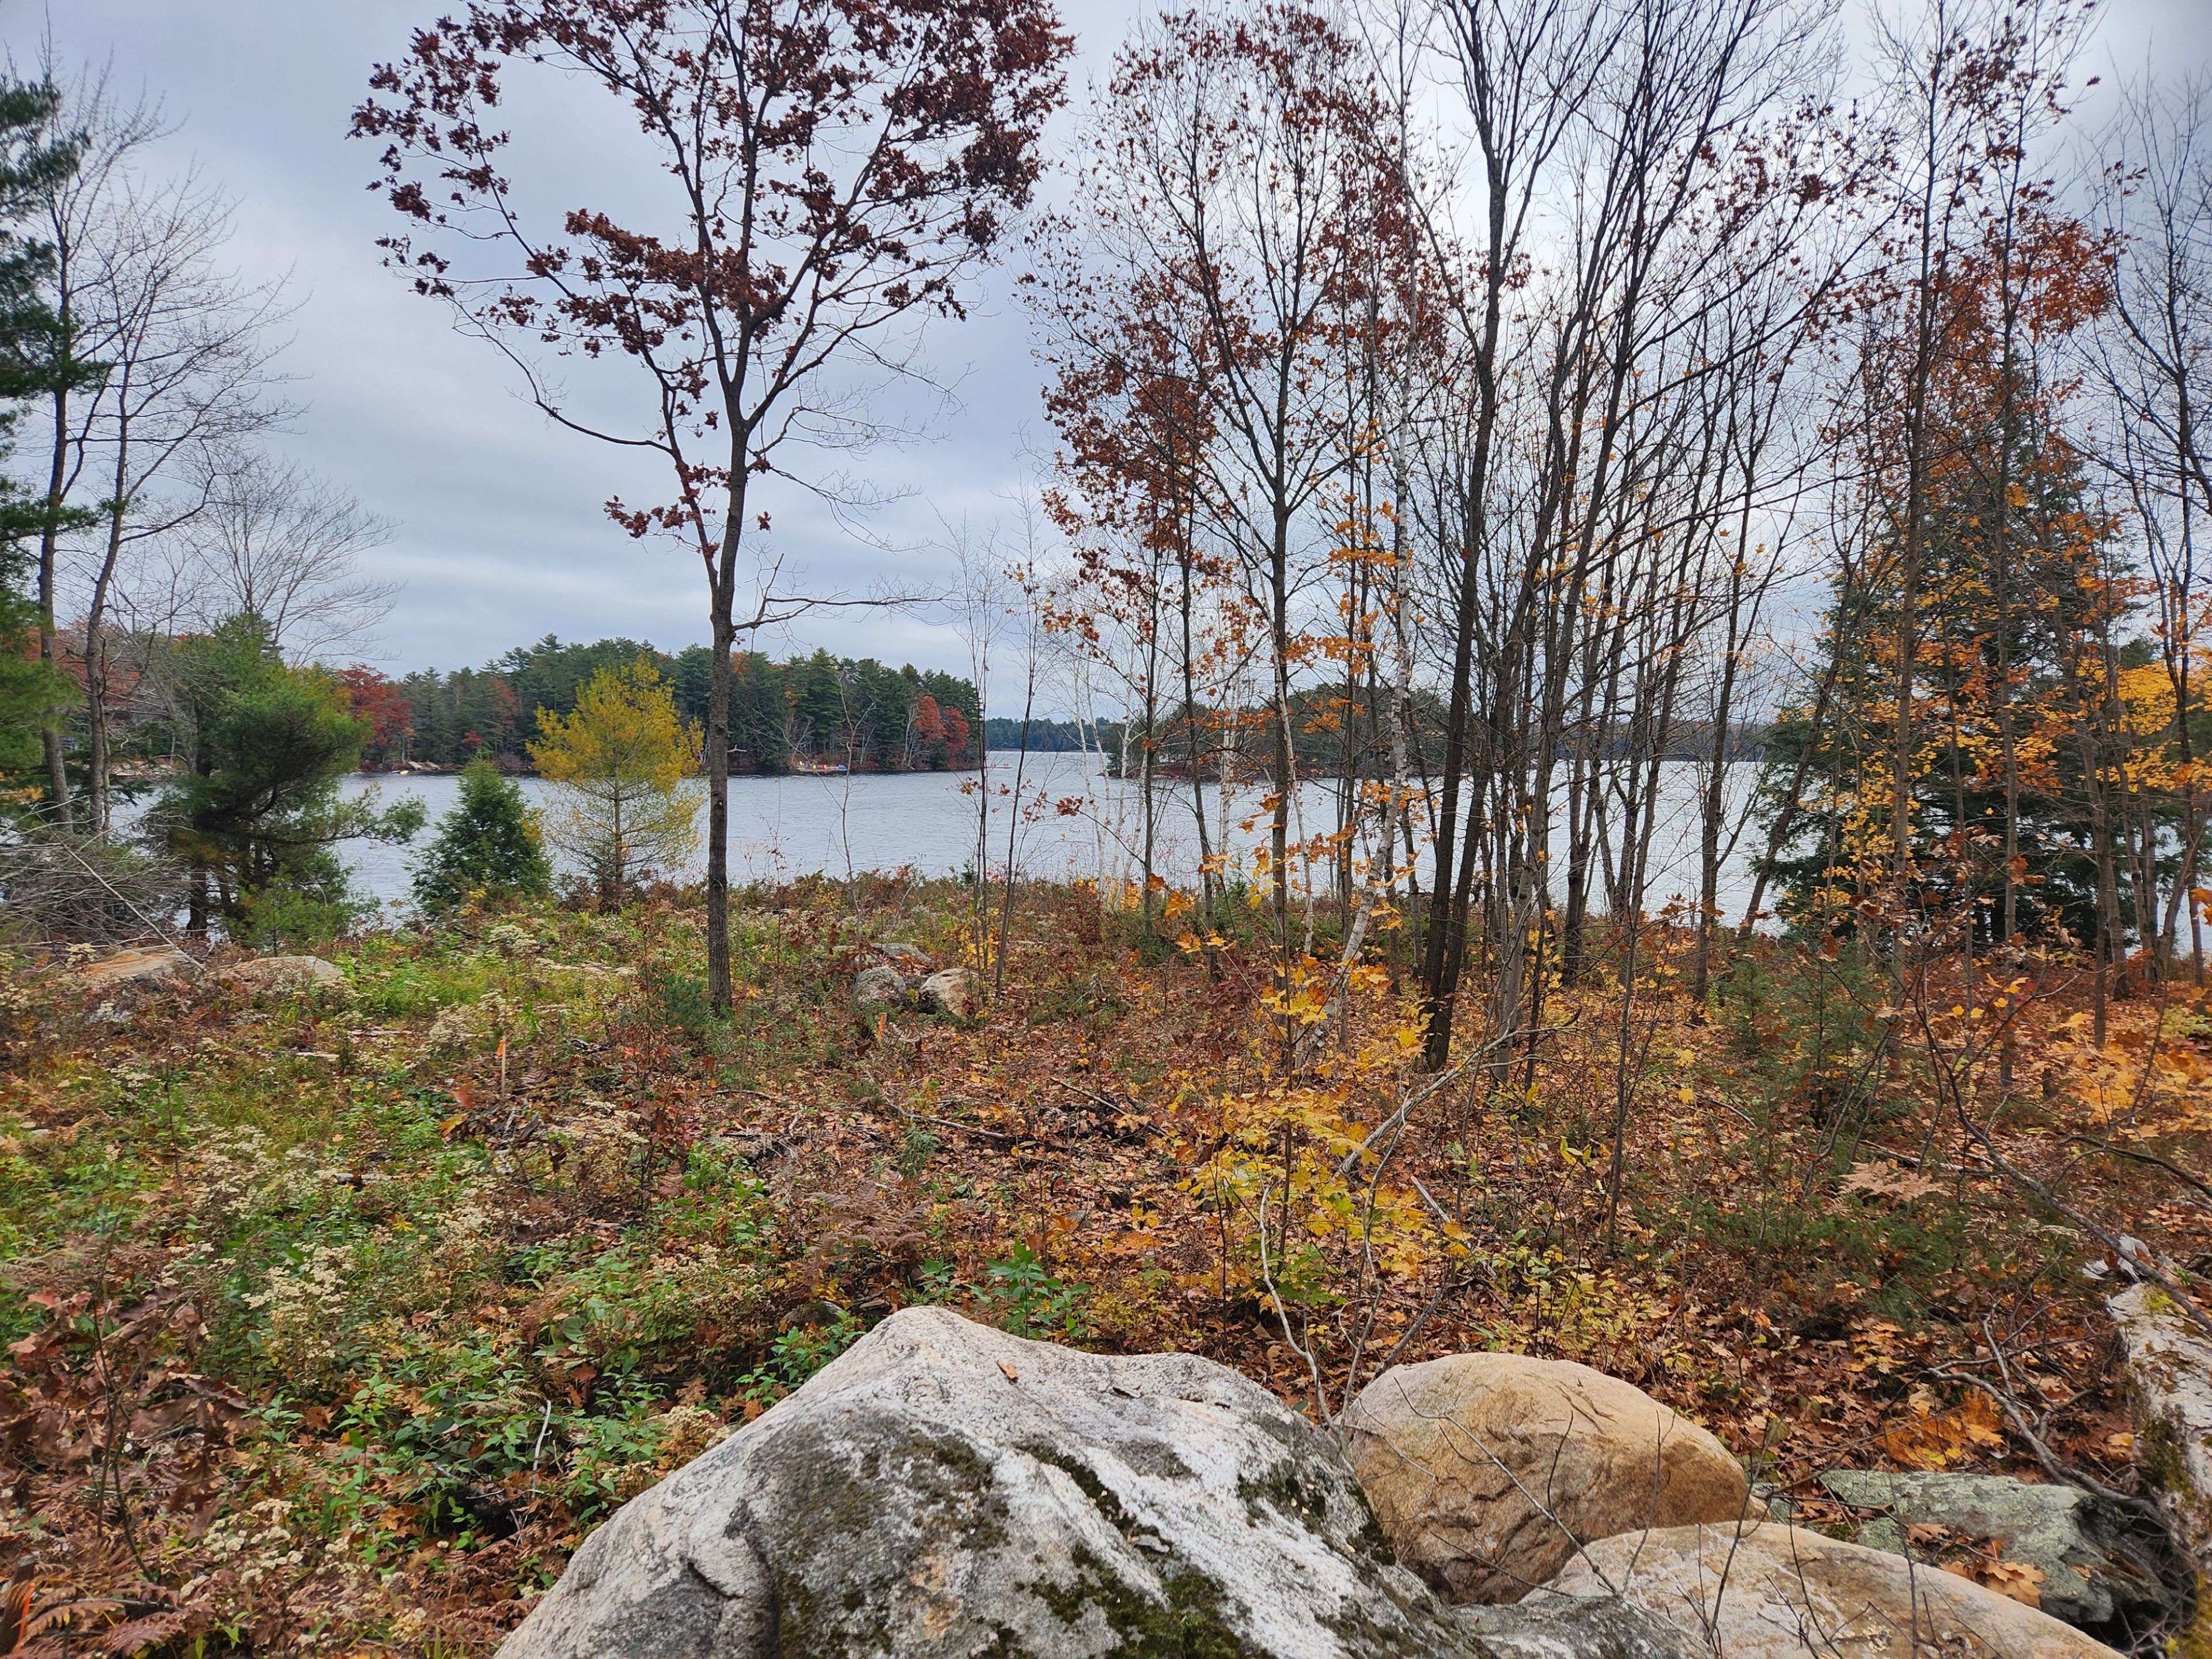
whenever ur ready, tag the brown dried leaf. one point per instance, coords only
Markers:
(1883, 1179)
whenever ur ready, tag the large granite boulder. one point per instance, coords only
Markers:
(1763, 1591)
(1486, 1469)
(2095, 1572)
(944, 1489)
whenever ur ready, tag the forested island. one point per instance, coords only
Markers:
(805, 712)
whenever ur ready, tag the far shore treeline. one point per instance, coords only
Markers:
(803, 714)
(824, 712)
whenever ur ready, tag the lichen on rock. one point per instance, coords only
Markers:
(945, 1489)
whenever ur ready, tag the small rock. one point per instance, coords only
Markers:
(2063, 1533)
(1485, 1469)
(137, 968)
(1764, 1591)
(879, 986)
(285, 973)
(907, 958)
(949, 991)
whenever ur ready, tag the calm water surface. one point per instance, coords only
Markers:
(1075, 822)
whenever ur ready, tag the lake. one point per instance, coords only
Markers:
(1077, 822)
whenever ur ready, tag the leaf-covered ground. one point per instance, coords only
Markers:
(339, 1318)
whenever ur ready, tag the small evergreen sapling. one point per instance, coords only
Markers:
(488, 844)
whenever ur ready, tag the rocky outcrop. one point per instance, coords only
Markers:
(899, 976)
(2081, 1548)
(944, 1489)
(1772, 1592)
(136, 969)
(285, 973)
(2169, 1373)
(1485, 1469)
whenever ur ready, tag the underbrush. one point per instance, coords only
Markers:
(423, 1279)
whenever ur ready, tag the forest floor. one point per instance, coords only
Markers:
(339, 1318)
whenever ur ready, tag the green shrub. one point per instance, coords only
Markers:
(1033, 1301)
(489, 843)
(680, 1000)
(299, 914)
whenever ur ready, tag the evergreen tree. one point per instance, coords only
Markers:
(35, 355)
(258, 809)
(842, 710)
(490, 843)
(550, 675)
(2011, 636)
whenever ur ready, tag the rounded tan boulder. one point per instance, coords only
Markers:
(285, 973)
(949, 991)
(1776, 1592)
(1485, 1470)
(136, 968)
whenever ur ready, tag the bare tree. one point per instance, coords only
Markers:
(188, 360)
(2154, 360)
(1237, 172)
(184, 361)
(273, 538)
(981, 602)
(107, 135)
(1637, 165)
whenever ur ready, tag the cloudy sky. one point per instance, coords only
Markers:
(498, 536)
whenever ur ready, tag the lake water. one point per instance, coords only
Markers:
(1076, 822)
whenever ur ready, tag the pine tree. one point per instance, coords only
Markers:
(489, 843)
(259, 810)
(34, 353)
(2018, 594)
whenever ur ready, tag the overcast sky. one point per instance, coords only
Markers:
(498, 537)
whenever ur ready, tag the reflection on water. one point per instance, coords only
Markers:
(1075, 822)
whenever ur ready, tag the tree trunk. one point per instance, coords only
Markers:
(715, 756)
(50, 738)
